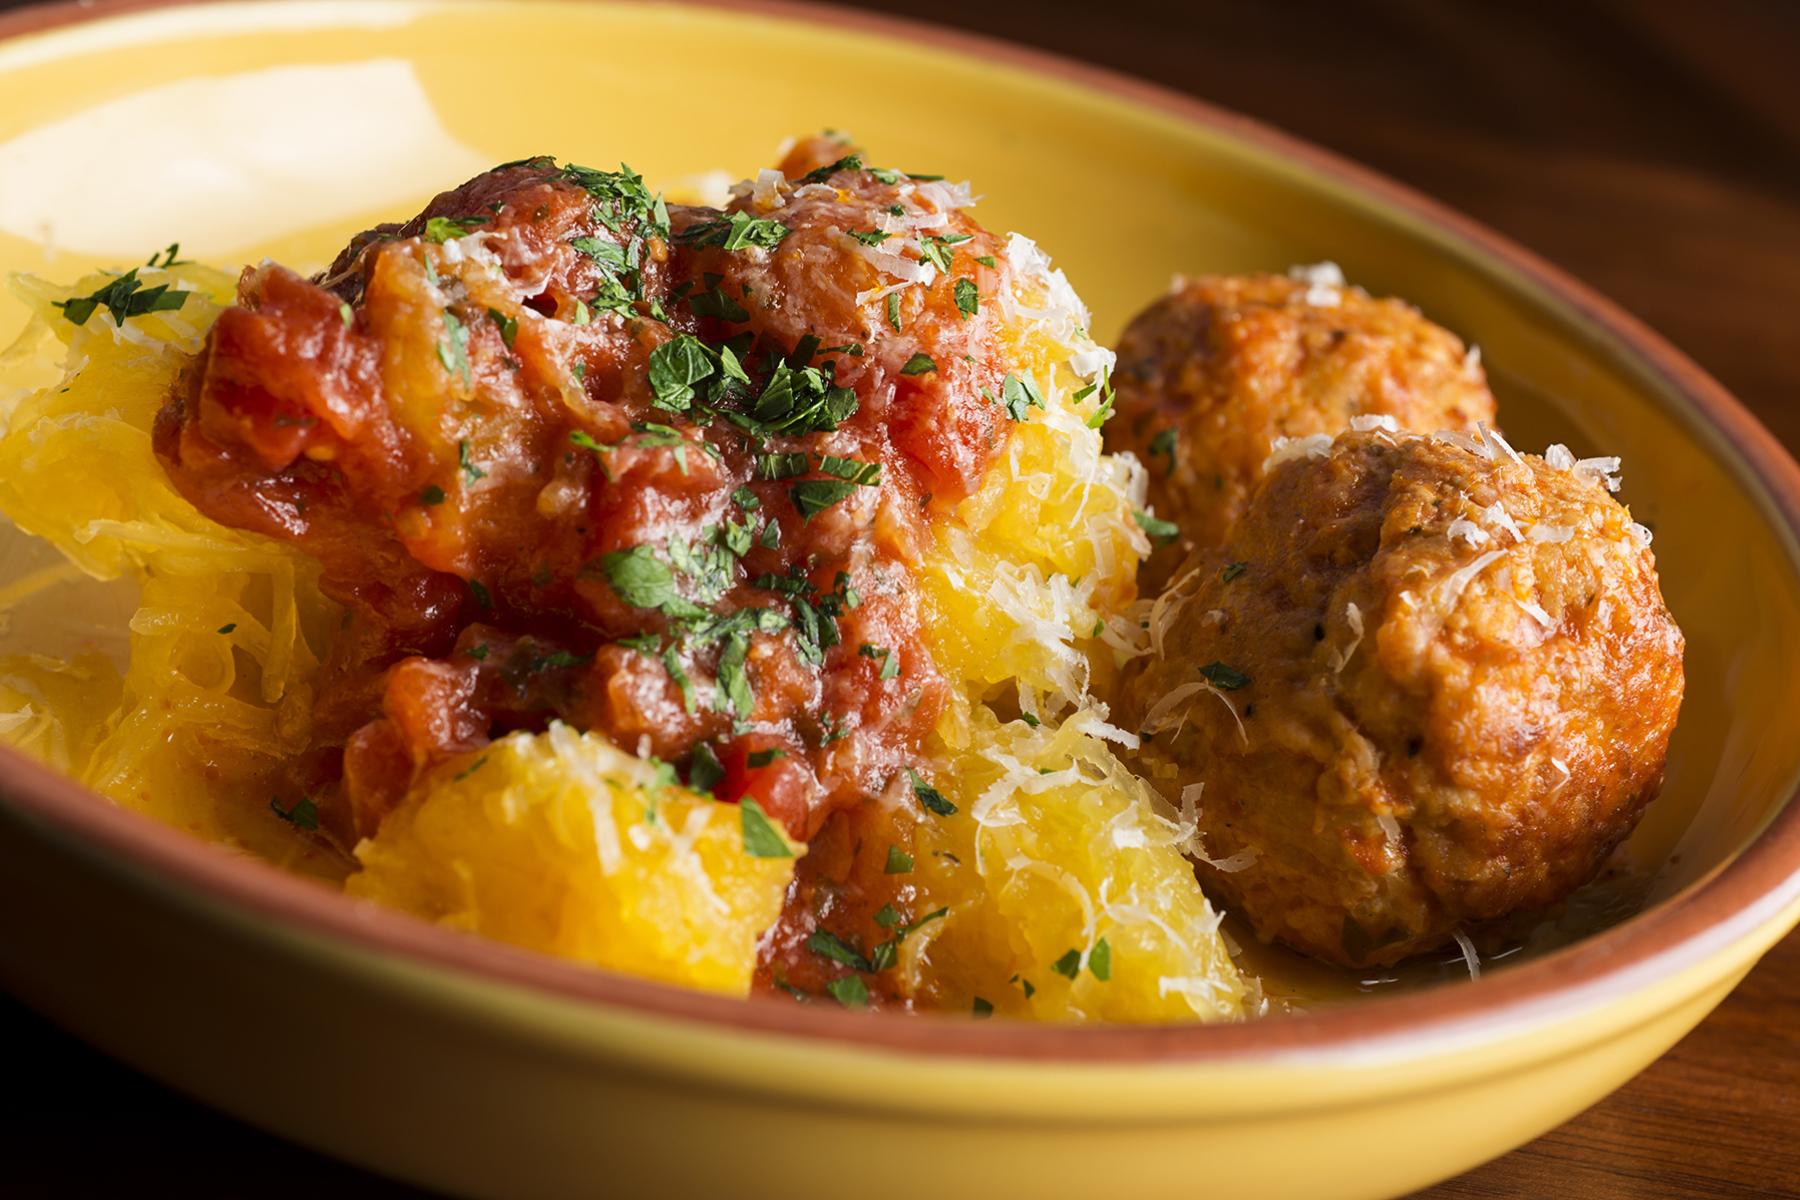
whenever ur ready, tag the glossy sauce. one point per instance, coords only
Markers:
(665, 474)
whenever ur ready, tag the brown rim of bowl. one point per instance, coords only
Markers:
(1750, 890)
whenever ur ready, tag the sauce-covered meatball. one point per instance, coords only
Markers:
(1426, 683)
(568, 453)
(1213, 373)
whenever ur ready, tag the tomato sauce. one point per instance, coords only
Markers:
(662, 472)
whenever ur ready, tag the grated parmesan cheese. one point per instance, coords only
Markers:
(1313, 445)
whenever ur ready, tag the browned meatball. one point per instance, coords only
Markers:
(1210, 375)
(1425, 684)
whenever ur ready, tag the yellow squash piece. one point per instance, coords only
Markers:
(1069, 897)
(563, 843)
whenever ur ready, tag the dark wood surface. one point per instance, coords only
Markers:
(1652, 148)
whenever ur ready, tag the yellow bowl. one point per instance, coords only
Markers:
(251, 129)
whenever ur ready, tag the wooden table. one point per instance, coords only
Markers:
(1651, 147)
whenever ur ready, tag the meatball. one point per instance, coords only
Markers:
(1213, 373)
(1426, 684)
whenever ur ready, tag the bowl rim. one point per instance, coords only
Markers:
(1757, 887)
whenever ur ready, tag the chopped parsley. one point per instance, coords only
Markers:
(890, 662)
(850, 991)
(432, 494)
(453, 349)
(762, 758)
(1163, 446)
(508, 326)
(643, 580)
(228, 627)
(734, 683)
(1069, 965)
(1100, 961)
(986, 260)
(472, 473)
(1160, 531)
(478, 590)
(813, 496)
(675, 368)
(301, 814)
(124, 297)
(761, 839)
(1227, 679)
(1017, 394)
(850, 162)
(347, 315)
(981, 1008)
(1232, 571)
(929, 797)
(705, 771)
(899, 862)
(870, 237)
(782, 466)
(852, 470)
(735, 232)
(830, 946)
(935, 249)
(968, 298)
(445, 229)
(919, 364)
(893, 310)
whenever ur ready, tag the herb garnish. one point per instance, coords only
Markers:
(968, 298)
(444, 229)
(471, 472)
(1017, 394)
(919, 364)
(1160, 531)
(929, 797)
(302, 814)
(1227, 679)
(453, 350)
(761, 840)
(124, 297)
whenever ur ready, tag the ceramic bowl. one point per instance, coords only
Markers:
(250, 129)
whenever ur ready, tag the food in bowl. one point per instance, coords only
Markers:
(1426, 682)
(737, 596)
(1210, 375)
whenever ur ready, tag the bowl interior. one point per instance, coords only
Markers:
(250, 130)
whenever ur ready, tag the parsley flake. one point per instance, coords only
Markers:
(124, 297)
(919, 364)
(899, 862)
(453, 350)
(301, 814)
(1160, 531)
(471, 472)
(1226, 679)
(761, 840)
(968, 297)
(445, 229)
(929, 797)
(850, 991)
(813, 496)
